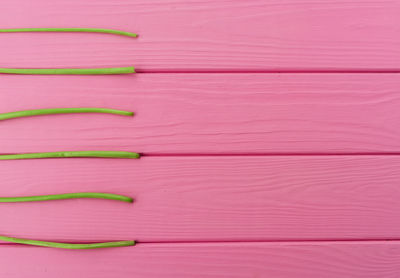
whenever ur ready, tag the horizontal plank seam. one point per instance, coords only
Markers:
(274, 241)
(271, 242)
(272, 154)
(247, 154)
(280, 71)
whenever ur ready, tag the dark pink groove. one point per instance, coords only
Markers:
(239, 241)
(255, 71)
(274, 154)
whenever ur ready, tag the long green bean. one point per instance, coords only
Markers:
(79, 195)
(68, 245)
(85, 30)
(70, 71)
(102, 154)
(36, 112)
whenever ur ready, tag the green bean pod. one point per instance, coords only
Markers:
(69, 71)
(92, 195)
(68, 245)
(37, 112)
(85, 30)
(99, 154)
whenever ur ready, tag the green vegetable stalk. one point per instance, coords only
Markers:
(85, 30)
(101, 154)
(36, 112)
(68, 245)
(73, 71)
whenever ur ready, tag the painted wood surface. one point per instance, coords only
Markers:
(280, 260)
(207, 113)
(230, 35)
(296, 211)
(206, 198)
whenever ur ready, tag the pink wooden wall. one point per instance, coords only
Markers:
(269, 128)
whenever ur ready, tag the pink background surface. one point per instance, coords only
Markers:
(269, 131)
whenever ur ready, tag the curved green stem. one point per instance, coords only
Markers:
(85, 30)
(68, 245)
(102, 154)
(92, 71)
(66, 196)
(36, 112)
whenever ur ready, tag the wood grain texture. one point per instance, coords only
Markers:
(280, 260)
(189, 113)
(206, 198)
(207, 113)
(230, 35)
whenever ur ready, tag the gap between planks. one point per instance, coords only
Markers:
(268, 154)
(232, 242)
(275, 71)
(252, 154)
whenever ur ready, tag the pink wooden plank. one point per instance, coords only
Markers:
(178, 35)
(206, 198)
(207, 113)
(280, 260)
